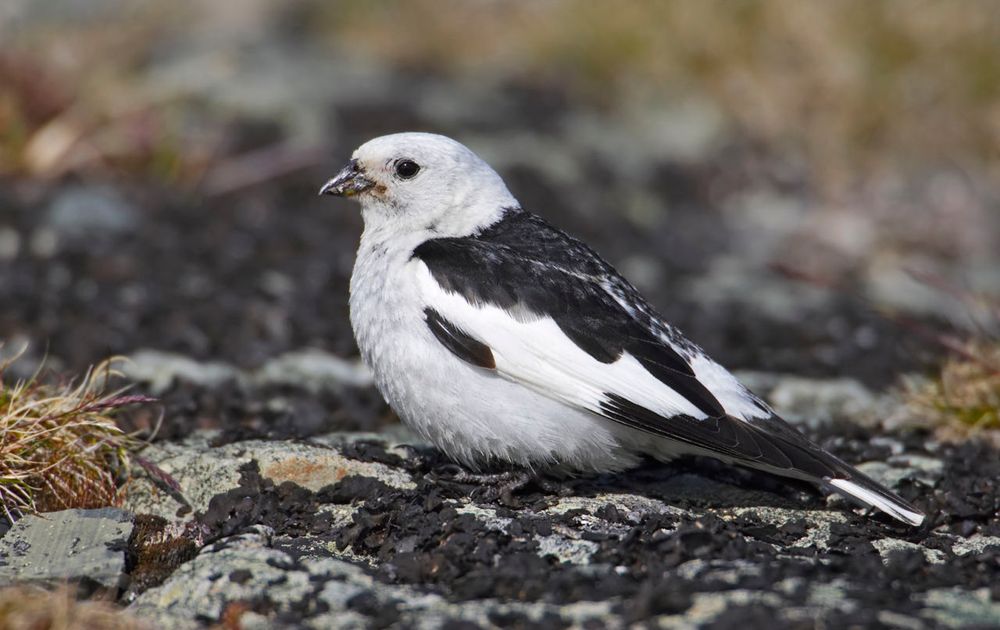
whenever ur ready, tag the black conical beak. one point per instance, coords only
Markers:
(348, 182)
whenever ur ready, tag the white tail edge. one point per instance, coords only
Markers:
(869, 497)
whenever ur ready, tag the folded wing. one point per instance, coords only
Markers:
(590, 341)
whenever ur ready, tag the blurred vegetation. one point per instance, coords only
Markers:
(35, 608)
(963, 399)
(853, 85)
(72, 99)
(968, 389)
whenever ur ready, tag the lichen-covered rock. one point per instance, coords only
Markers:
(394, 541)
(312, 370)
(243, 579)
(202, 472)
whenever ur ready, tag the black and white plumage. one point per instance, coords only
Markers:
(501, 339)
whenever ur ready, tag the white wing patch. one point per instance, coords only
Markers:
(730, 393)
(536, 353)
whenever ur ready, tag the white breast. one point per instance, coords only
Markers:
(468, 412)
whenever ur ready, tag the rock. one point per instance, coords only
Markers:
(159, 370)
(358, 530)
(10, 243)
(69, 545)
(313, 370)
(958, 608)
(975, 544)
(815, 402)
(203, 472)
(80, 212)
(341, 532)
(886, 546)
(243, 578)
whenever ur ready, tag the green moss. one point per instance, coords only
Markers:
(965, 396)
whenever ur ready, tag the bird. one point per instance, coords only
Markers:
(504, 341)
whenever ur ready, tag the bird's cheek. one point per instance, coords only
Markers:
(377, 190)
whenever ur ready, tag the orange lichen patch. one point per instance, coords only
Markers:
(232, 615)
(308, 473)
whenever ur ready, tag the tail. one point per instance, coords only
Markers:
(867, 491)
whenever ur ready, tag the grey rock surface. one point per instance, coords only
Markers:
(310, 369)
(352, 531)
(91, 212)
(67, 546)
(246, 569)
(202, 471)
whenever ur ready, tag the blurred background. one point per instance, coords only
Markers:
(800, 185)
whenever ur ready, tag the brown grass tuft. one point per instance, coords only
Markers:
(59, 446)
(34, 608)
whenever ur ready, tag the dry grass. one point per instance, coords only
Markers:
(964, 398)
(73, 99)
(851, 85)
(34, 608)
(854, 87)
(59, 445)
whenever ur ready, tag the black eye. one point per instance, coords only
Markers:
(407, 168)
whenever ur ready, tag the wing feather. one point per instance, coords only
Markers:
(562, 322)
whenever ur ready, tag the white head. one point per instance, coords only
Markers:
(421, 182)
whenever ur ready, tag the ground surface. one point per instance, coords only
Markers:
(301, 501)
(346, 529)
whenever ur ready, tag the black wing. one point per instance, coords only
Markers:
(769, 444)
(533, 267)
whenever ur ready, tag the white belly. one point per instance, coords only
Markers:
(470, 413)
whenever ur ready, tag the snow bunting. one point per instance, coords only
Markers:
(502, 340)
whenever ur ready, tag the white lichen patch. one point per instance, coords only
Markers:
(567, 549)
(886, 546)
(312, 369)
(830, 595)
(975, 544)
(200, 472)
(818, 522)
(899, 467)
(632, 506)
(339, 516)
(486, 516)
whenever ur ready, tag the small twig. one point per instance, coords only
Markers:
(260, 166)
(158, 473)
(948, 342)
